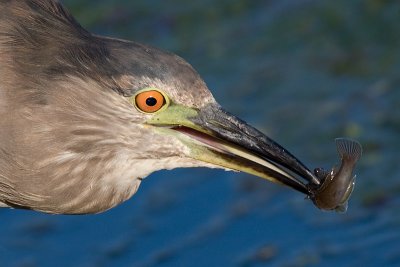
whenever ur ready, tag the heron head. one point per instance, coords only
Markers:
(94, 113)
(183, 125)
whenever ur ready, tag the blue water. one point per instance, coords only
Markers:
(304, 72)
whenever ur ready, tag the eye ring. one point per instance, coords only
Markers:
(150, 100)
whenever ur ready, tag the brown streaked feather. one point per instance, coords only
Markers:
(70, 141)
(42, 47)
(45, 41)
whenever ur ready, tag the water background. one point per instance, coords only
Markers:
(302, 71)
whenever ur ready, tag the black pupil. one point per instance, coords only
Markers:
(151, 101)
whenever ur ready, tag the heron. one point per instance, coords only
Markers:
(85, 118)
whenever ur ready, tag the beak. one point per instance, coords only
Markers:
(219, 138)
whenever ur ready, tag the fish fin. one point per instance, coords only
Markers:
(348, 148)
(350, 189)
(342, 208)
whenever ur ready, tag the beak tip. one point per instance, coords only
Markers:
(313, 178)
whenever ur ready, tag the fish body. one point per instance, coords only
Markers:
(338, 184)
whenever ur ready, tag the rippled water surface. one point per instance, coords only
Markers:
(302, 71)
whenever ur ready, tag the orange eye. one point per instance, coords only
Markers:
(150, 101)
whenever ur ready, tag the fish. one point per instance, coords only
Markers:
(336, 185)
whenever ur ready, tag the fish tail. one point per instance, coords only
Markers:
(348, 149)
